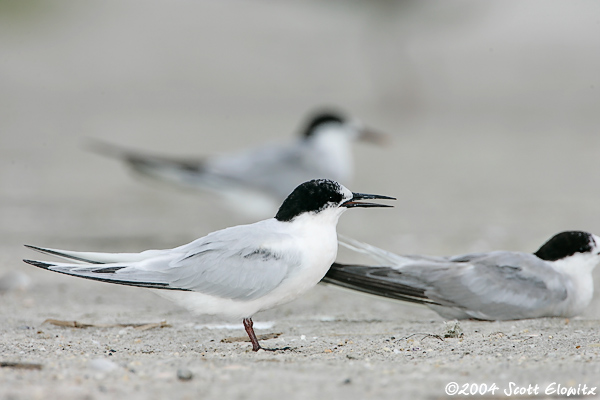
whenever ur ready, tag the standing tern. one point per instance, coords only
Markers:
(238, 271)
(264, 175)
(555, 281)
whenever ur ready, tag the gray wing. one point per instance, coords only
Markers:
(230, 263)
(498, 285)
(274, 169)
(183, 171)
(232, 270)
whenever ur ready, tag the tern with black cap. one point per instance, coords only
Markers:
(266, 174)
(238, 271)
(555, 281)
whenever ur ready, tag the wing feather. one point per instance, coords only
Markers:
(226, 263)
(497, 286)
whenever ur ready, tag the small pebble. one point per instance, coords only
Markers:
(184, 374)
(102, 364)
(24, 327)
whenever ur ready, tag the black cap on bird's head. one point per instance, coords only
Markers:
(352, 128)
(319, 194)
(321, 118)
(566, 244)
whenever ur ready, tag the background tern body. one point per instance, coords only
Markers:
(238, 271)
(555, 281)
(264, 175)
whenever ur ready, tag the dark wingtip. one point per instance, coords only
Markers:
(38, 264)
(32, 247)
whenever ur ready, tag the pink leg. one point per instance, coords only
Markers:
(250, 331)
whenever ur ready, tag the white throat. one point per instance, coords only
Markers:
(579, 264)
(331, 147)
(325, 218)
(578, 269)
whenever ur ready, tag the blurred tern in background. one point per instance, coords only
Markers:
(238, 271)
(555, 281)
(264, 175)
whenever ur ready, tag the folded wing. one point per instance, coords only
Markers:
(216, 265)
(493, 286)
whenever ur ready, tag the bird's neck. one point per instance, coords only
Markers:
(323, 220)
(332, 150)
(577, 265)
(578, 268)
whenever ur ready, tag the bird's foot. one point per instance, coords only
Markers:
(276, 349)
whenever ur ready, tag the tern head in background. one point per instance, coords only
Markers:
(323, 122)
(238, 271)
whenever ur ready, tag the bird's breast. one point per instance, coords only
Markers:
(317, 252)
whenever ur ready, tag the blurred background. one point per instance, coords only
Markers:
(493, 107)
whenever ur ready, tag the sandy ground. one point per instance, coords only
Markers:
(494, 116)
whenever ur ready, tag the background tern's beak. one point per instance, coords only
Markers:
(353, 202)
(372, 136)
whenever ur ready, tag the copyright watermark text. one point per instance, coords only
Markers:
(512, 389)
